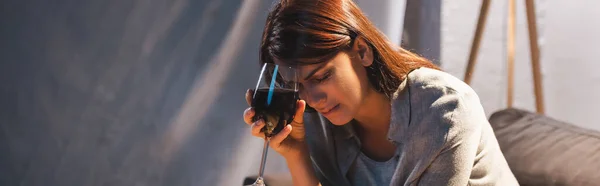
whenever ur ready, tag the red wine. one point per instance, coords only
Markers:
(276, 112)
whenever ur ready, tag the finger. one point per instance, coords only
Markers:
(279, 137)
(248, 114)
(300, 107)
(249, 93)
(256, 127)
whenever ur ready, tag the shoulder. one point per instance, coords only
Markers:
(435, 90)
(439, 82)
(442, 106)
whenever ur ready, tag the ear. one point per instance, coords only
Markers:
(363, 51)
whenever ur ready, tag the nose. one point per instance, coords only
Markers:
(314, 97)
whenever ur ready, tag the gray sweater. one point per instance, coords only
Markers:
(439, 128)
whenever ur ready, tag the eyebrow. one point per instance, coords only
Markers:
(314, 71)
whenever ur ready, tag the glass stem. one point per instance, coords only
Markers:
(263, 161)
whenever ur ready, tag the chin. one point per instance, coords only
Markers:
(339, 119)
(339, 123)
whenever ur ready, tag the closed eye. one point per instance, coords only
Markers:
(324, 77)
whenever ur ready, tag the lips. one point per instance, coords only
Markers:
(328, 111)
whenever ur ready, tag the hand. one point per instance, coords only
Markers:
(290, 140)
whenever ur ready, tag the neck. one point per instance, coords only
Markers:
(374, 114)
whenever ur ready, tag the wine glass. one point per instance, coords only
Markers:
(274, 101)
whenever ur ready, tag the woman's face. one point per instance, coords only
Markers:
(337, 88)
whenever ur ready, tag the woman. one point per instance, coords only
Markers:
(384, 116)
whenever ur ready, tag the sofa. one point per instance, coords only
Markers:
(542, 151)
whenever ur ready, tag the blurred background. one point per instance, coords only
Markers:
(125, 92)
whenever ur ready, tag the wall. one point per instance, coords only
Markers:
(387, 15)
(568, 38)
(91, 92)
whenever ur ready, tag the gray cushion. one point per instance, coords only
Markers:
(544, 151)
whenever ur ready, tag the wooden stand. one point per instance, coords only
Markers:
(533, 46)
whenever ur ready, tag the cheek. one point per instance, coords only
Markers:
(354, 84)
(348, 93)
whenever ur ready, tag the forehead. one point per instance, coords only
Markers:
(305, 69)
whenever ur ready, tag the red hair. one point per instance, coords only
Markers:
(313, 31)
